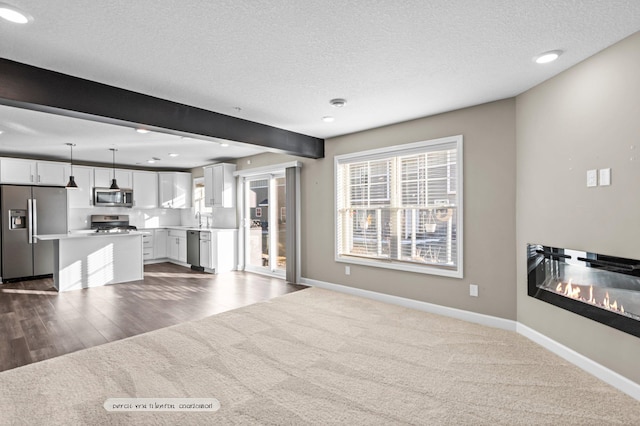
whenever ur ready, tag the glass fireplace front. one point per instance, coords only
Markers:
(603, 288)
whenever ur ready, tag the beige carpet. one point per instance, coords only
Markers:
(318, 357)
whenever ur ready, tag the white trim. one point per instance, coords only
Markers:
(469, 316)
(298, 227)
(400, 266)
(266, 169)
(278, 273)
(603, 373)
(268, 172)
(402, 148)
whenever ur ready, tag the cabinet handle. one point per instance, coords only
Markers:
(38, 178)
(31, 178)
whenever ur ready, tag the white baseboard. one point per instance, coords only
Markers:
(152, 261)
(469, 316)
(616, 380)
(603, 373)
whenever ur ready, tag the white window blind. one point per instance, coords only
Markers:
(401, 207)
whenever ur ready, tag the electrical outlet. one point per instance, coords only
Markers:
(473, 290)
(347, 270)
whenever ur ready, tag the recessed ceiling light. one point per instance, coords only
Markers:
(546, 57)
(142, 131)
(338, 102)
(224, 145)
(173, 154)
(12, 14)
(328, 119)
(151, 161)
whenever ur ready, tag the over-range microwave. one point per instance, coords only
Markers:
(107, 197)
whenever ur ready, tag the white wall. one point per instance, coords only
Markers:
(141, 218)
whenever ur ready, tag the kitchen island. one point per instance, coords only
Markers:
(83, 260)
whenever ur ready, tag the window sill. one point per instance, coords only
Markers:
(401, 266)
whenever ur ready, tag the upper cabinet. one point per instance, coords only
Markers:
(50, 173)
(175, 190)
(145, 190)
(104, 175)
(31, 172)
(82, 197)
(150, 189)
(219, 185)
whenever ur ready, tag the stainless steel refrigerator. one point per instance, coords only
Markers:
(28, 211)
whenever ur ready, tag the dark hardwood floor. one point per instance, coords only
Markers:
(37, 323)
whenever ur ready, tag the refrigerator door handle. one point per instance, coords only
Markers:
(35, 222)
(30, 220)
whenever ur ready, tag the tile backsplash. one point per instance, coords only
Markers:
(153, 218)
(141, 218)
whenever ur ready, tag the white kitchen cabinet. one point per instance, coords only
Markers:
(103, 177)
(31, 172)
(82, 197)
(15, 170)
(52, 173)
(148, 245)
(220, 251)
(174, 190)
(145, 190)
(205, 249)
(160, 243)
(177, 245)
(219, 185)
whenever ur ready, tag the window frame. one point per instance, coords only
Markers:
(203, 209)
(404, 150)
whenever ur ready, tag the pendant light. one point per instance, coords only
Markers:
(114, 185)
(72, 181)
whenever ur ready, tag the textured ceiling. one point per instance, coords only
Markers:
(281, 61)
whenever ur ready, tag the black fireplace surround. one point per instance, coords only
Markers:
(600, 287)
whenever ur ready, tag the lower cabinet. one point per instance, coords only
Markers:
(219, 252)
(217, 247)
(154, 244)
(160, 243)
(205, 251)
(147, 245)
(177, 245)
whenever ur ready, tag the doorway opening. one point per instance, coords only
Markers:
(265, 221)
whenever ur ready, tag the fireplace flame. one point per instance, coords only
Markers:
(573, 291)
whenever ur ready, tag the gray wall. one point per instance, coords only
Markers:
(489, 210)
(585, 118)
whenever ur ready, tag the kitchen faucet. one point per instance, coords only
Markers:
(199, 217)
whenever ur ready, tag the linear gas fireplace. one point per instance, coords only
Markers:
(603, 288)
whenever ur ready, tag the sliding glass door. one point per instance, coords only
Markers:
(265, 219)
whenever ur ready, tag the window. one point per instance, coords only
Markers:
(199, 197)
(401, 207)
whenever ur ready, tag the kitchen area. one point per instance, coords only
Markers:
(112, 222)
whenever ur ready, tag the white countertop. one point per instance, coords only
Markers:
(91, 234)
(188, 228)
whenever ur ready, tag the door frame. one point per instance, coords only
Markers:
(267, 171)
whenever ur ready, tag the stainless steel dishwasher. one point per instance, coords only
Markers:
(193, 249)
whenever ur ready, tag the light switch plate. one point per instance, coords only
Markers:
(473, 290)
(605, 177)
(592, 178)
